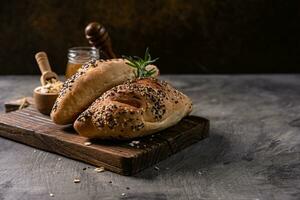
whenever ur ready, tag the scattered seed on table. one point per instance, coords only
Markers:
(51, 195)
(76, 180)
(99, 169)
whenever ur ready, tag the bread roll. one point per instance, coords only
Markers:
(136, 108)
(90, 82)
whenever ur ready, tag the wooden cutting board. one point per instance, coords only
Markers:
(30, 127)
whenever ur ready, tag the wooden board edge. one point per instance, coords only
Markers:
(12, 133)
(128, 165)
(169, 151)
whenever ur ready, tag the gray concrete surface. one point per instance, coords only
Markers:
(253, 151)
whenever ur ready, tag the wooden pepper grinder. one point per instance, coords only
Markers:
(97, 36)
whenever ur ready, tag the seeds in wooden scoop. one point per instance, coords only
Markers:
(87, 143)
(134, 142)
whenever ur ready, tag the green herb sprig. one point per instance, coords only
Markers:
(140, 64)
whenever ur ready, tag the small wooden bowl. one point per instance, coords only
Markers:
(44, 101)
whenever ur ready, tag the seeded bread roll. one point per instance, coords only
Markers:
(136, 108)
(90, 82)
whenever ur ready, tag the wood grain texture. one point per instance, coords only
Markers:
(13, 105)
(30, 127)
(252, 152)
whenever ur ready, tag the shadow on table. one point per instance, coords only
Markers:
(198, 158)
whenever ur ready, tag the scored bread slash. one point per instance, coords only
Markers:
(99, 169)
(87, 143)
(76, 180)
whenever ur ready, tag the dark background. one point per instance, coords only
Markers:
(195, 36)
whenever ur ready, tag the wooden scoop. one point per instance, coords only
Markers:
(97, 36)
(44, 101)
(43, 63)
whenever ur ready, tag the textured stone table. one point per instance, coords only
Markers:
(253, 151)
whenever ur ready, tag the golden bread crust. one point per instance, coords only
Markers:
(136, 108)
(90, 82)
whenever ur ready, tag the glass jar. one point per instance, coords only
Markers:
(77, 56)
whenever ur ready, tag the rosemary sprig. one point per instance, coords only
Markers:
(140, 64)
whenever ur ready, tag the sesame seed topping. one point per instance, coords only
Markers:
(68, 84)
(121, 107)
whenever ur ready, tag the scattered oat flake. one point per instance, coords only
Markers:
(131, 144)
(51, 195)
(99, 169)
(134, 142)
(76, 180)
(87, 143)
